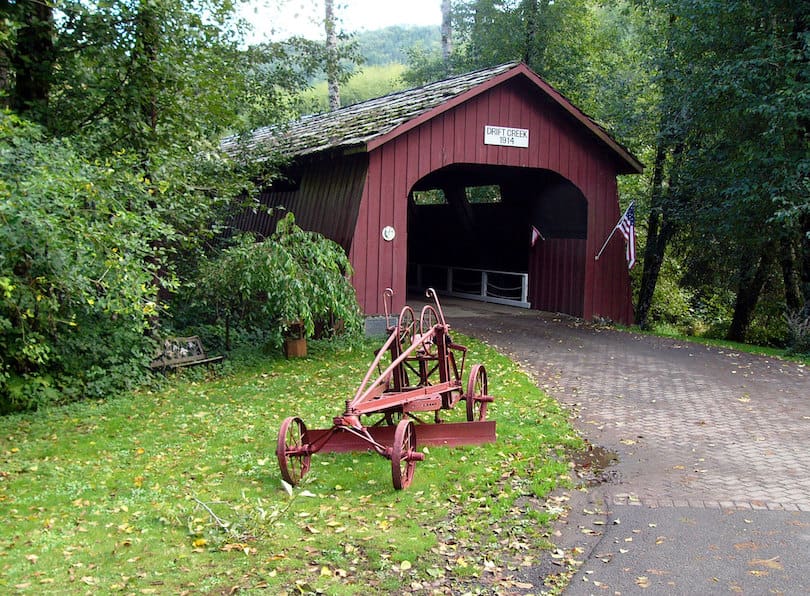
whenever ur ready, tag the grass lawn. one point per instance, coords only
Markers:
(177, 490)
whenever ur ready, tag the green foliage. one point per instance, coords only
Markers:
(392, 44)
(293, 278)
(76, 270)
(124, 185)
(368, 83)
(798, 323)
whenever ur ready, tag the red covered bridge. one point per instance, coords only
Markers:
(441, 185)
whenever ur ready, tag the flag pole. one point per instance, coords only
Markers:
(601, 250)
(616, 227)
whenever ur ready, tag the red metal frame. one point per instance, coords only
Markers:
(423, 376)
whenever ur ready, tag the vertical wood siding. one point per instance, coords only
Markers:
(327, 200)
(583, 286)
(557, 275)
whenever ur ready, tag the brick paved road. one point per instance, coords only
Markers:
(700, 432)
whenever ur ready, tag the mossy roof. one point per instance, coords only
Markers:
(363, 125)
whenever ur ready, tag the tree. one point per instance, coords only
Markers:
(447, 31)
(332, 68)
(76, 247)
(123, 183)
(26, 55)
(293, 278)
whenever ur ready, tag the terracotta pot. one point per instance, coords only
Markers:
(295, 347)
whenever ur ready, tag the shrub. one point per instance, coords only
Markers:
(76, 270)
(798, 323)
(294, 278)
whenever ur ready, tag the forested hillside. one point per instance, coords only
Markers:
(394, 44)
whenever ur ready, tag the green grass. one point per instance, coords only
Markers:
(674, 333)
(178, 490)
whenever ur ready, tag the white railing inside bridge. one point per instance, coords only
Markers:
(500, 287)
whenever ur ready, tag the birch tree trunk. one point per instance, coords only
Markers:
(332, 66)
(447, 32)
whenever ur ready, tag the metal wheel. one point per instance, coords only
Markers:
(476, 388)
(402, 454)
(292, 451)
(428, 319)
(407, 327)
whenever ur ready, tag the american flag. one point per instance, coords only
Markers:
(536, 235)
(627, 226)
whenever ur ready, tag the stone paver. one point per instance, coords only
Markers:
(711, 492)
(690, 423)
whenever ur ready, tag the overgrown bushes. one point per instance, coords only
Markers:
(76, 270)
(293, 278)
(85, 250)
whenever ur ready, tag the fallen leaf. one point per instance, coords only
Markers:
(643, 581)
(769, 563)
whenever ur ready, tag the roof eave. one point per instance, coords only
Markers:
(632, 165)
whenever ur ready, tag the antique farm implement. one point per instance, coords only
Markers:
(391, 412)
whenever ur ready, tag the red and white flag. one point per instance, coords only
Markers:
(536, 235)
(627, 226)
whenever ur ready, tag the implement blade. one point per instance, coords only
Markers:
(446, 434)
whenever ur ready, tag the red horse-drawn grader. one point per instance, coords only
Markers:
(390, 413)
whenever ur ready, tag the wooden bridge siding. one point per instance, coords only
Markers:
(456, 136)
(558, 282)
(328, 200)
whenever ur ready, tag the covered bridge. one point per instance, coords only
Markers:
(444, 185)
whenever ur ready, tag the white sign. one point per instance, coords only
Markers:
(508, 137)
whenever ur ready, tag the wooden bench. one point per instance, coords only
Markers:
(177, 352)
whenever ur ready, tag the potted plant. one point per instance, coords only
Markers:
(295, 341)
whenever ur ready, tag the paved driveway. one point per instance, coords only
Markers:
(711, 491)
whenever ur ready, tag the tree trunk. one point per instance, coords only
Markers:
(753, 275)
(332, 65)
(790, 274)
(531, 36)
(144, 86)
(659, 232)
(5, 54)
(804, 260)
(33, 60)
(447, 33)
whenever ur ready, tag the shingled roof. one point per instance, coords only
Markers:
(369, 123)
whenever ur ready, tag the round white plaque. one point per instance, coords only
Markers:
(388, 233)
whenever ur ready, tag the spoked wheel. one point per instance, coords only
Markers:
(407, 327)
(292, 451)
(427, 319)
(476, 389)
(403, 454)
